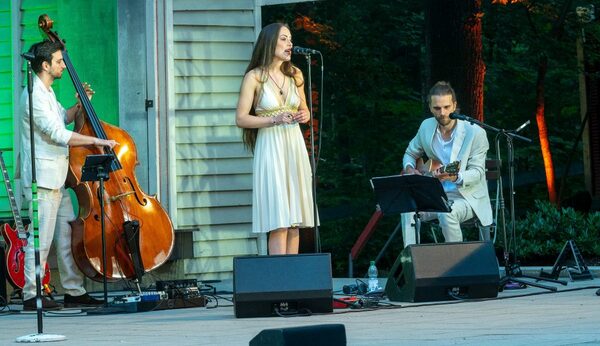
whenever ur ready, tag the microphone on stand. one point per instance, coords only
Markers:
(460, 117)
(28, 56)
(304, 51)
(522, 126)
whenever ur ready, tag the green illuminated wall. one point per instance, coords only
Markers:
(6, 99)
(90, 31)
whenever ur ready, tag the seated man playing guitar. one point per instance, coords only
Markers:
(450, 144)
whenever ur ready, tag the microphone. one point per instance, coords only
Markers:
(28, 56)
(522, 126)
(304, 51)
(459, 117)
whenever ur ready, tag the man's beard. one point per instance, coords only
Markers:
(440, 121)
(56, 75)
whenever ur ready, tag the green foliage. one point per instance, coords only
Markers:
(543, 232)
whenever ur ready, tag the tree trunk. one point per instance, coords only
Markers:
(454, 50)
(540, 118)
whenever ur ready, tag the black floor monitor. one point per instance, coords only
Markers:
(266, 286)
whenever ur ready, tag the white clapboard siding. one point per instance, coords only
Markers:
(224, 247)
(216, 166)
(211, 268)
(214, 34)
(192, 5)
(214, 183)
(192, 68)
(213, 134)
(214, 18)
(212, 50)
(215, 215)
(211, 150)
(213, 199)
(191, 84)
(212, 44)
(214, 100)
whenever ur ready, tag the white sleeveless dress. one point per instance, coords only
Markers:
(282, 193)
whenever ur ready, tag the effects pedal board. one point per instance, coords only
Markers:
(146, 296)
(179, 288)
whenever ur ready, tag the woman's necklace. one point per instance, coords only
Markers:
(277, 85)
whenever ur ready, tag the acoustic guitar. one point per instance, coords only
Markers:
(16, 241)
(427, 168)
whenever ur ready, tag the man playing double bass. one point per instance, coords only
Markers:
(52, 141)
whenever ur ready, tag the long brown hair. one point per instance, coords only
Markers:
(262, 57)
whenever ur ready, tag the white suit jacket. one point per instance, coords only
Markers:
(470, 147)
(51, 138)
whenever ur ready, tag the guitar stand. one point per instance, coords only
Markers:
(570, 258)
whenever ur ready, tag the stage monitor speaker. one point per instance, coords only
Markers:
(434, 272)
(318, 335)
(282, 284)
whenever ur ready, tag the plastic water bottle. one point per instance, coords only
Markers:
(373, 281)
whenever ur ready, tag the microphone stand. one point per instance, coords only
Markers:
(512, 270)
(40, 336)
(312, 158)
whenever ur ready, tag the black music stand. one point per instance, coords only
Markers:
(96, 168)
(409, 193)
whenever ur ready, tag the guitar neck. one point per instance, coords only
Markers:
(11, 197)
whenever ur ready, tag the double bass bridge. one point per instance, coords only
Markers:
(121, 195)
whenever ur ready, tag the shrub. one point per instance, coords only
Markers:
(542, 233)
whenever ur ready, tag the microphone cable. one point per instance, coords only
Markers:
(321, 115)
(315, 157)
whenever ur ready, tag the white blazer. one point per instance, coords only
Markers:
(470, 147)
(51, 139)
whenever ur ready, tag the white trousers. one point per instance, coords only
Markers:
(55, 211)
(449, 222)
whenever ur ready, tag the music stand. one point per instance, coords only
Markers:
(409, 193)
(96, 168)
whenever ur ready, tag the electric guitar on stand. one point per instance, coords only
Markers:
(16, 240)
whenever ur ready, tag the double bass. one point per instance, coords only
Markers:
(129, 212)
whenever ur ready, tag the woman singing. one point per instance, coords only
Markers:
(272, 103)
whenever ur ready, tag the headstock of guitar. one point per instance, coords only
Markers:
(451, 168)
(426, 168)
